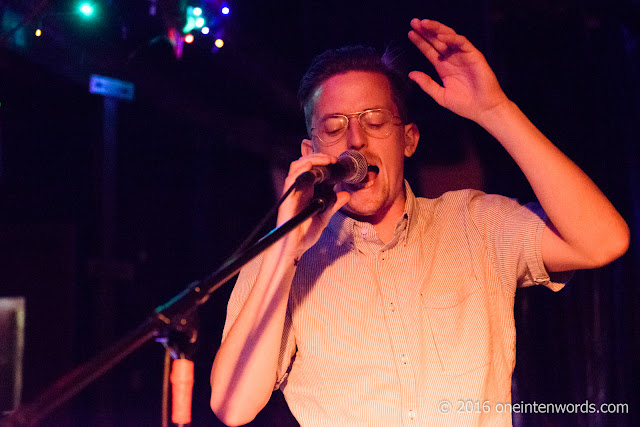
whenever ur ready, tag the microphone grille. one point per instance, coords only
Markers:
(358, 172)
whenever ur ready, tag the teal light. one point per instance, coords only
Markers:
(194, 19)
(87, 9)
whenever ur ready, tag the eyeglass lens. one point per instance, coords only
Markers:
(376, 123)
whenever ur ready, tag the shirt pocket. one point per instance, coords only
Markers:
(459, 324)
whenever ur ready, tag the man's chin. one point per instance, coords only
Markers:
(360, 212)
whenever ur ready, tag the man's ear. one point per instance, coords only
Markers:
(411, 138)
(306, 148)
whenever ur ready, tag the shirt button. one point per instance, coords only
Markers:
(364, 230)
(412, 414)
(392, 306)
(404, 359)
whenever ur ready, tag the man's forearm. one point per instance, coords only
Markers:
(244, 369)
(590, 232)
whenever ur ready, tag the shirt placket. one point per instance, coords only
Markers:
(385, 274)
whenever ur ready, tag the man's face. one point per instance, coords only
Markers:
(352, 92)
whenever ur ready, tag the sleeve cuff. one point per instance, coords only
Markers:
(533, 255)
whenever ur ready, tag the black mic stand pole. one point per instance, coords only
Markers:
(173, 315)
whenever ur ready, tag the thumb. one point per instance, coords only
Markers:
(428, 85)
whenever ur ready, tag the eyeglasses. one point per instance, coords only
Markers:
(376, 123)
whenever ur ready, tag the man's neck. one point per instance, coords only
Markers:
(387, 227)
(385, 222)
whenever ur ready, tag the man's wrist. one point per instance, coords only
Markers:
(497, 115)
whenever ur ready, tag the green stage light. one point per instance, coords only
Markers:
(194, 19)
(87, 9)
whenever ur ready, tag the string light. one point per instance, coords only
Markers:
(86, 9)
(209, 22)
(194, 19)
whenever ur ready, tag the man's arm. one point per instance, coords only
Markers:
(585, 230)
(244, 369)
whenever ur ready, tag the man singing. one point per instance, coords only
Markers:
(385, 305)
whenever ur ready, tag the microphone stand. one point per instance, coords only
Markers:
(172, 316)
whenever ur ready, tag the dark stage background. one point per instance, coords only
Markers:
(206, 137)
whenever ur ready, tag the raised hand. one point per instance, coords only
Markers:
(470, 88)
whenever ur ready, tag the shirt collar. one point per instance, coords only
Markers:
(363, 236)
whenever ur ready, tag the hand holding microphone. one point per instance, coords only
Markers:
(351, 168)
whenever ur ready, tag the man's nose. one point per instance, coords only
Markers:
(356, 137)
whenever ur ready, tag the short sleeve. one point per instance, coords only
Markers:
(513, 235)
(239, 295)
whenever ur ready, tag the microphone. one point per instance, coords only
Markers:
(351, 168)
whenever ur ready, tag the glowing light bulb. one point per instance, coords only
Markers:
(38, 32)
(87, 9)
(194, 19)
(205, 30)
(189, 38)
(225, 10)
(219, 43)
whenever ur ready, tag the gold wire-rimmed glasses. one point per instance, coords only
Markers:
(377, 123)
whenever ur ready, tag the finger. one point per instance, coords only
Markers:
(428, 85)
(427, 49)
(318, 158)
(295, 169)
(431, 32)
(426, 42)
(442, 38)
(431, 26)
(342, 198)
(305, 163)
(460, 42)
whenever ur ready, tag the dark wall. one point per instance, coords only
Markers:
(183, 202)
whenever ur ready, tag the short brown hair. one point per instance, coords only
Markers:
(352, 58)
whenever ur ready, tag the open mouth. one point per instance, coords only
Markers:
(368, 181)
(372, 173)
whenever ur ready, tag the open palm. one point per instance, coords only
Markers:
(470, 87)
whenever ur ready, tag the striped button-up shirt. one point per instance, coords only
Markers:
(418, 331)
